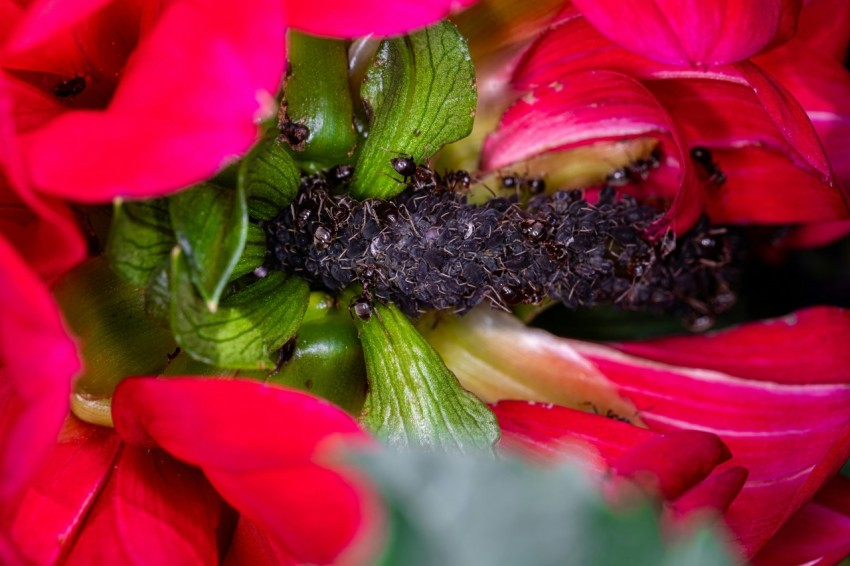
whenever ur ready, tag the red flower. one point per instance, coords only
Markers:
(777, 393)
(263, 450)
(585, 89)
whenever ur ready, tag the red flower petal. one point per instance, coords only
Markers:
(153, 510)
(815, 535)
(340, 18)
(587, 108)
(808, 345)
(42, 229)
(251, 545)
(172, 121)
(825, 27)
(37, 363)
(694, 33)
(790, 437)
(45, 519)
(262, 448)
(717, 492)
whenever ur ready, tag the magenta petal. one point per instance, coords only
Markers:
(694, 33)
(153, 510)
(675, 462)
(716, 492)
(44, 18)
(815, 535)
(172, 121)
(342, 18)
(590, 107)
(251, 545)
(825, 27)
(762, 350)
(261, 447)
(37, 363)
(790, 437)
(44, 520)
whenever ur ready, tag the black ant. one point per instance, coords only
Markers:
(339, 175)
(70, 88)
(284, 354)
(702, 155)
(634, 172)
(419, 177)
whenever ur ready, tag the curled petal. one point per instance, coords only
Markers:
(716, 492)
(42, 229)
(591, 107)
(43, 522)
(695, 33)
(791, 438)
(251, 545)
(810, 344)
(37, 363)
(815, 535)
(153, 510)
(339, 18)
(171, 121)
(262, 448)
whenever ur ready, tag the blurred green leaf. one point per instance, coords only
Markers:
(270, 179)
(249, 327)
(140, 238)
(451, 510)
(420, 93)
(254, 254)
(414, 400)
(318, 96)
(116, 338)
(211, 225)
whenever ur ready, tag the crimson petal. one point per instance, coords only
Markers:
(37, 363)
(172, 121)
(341, 18)
(153, 510)
(694, 33)
(43, 522)
(262, 448)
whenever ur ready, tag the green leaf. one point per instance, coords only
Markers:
(414, 400)
(211, 225)
(318, 96)
(116, 338)
(254, 254)
(448, 509)
(140, 238)
(270, 179)
(420, 92)
(249, 327)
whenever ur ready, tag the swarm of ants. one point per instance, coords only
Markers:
(428, 248)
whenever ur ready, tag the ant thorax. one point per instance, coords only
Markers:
(428, 248)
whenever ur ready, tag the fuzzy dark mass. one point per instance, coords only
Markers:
(430, 249)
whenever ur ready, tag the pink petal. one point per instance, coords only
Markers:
(263, 449)
(591, 107)
(822, 86)
(790, 437)
(44, 18)
(340, 18)
(42, 229)
(153, 510)
(37, 363)
(716, 492)
(818, 352)
(695, 33)
(43, 522)
(173, 121)
(251, 545)
(815, 535)
(817, 234)
(676, 461)
(825, 27)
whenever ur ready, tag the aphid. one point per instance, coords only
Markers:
(322, 238)
(70, 88)
(361, 307)
(455, 179)
(284, 354)
(535, 185)
(294, 134)
(703, 157)
(339, 175)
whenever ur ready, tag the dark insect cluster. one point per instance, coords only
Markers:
(429, 249)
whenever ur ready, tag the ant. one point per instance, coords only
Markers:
(702, 155)
(70, 88)
(419, 177)
(339, 175)
(634, 172)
